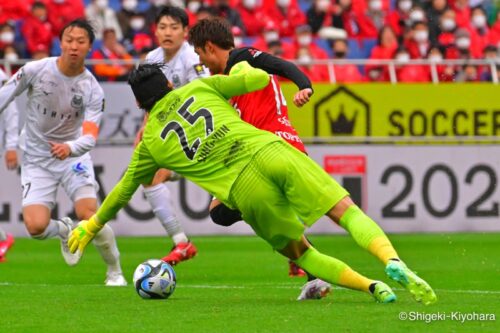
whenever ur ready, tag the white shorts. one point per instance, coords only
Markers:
(40, 178)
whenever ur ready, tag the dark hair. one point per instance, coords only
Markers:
(417, 23)
(80, 23)
(148, 84)
(38, 4)
(438, 47)
(381, 32)
(177, 13)
(215, 30)
(478, 8)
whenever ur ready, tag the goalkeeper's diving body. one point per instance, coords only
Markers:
(194, 131)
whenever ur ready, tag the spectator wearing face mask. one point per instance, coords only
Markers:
(127, 9)
(304, 38)
(137, 34)
(406, 72)
(434, 12)
(8, 39)
(13, 10)
(462, 9)
(103, 17)
(387, 44)
(462, 47)
(9, 53)
(61, 12)
(37, 30)
(271, 34)
(347, 73)
(315, 73)
(253, 16)
(399, 18)
(286, 14)
(479, 31)
(447, 27)
(418, 44)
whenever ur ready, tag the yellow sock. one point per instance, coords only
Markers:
(355, 280)
(367, 234)
(332, 270)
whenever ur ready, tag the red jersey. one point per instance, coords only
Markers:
(266, 109)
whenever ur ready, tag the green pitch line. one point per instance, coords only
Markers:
(238, 284)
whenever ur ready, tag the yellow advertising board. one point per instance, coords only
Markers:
(450, 111)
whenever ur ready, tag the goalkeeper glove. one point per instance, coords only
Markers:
(83, 234)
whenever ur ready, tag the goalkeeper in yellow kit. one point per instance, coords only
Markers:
(194, 131)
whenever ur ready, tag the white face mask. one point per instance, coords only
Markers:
(193, 6)
(11, 57)
(101, 3)
(238, 41)
(421, 36)
(283, 3)
(403, 57)
(479, 21)
(129, 5)
(405, 5)
(323, 5)
(463, 43)
(7, 37)
(375, 5)
(435, 57)
(271, 36)
(304, 40)
(448, 24)
(417, 16)
(250, 4)
(59, 1)
(137, 23)
(305, 59)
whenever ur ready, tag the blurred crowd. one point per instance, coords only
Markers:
(301, 30)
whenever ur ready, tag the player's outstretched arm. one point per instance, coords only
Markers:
(242, 79)
(283, 68)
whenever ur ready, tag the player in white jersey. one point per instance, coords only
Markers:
(181, 66)
(9, 134)
(64, 109)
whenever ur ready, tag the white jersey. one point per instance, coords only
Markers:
(9, 122)
(57, 107)
(183, 68)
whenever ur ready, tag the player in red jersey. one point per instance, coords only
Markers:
(266, 109)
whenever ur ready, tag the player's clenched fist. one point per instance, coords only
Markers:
(83, 234)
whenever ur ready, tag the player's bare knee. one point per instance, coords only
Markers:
(35, 225)
(36, 219)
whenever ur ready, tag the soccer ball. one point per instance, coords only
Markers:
(154, 279)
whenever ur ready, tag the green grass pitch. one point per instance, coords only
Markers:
(237, 284)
